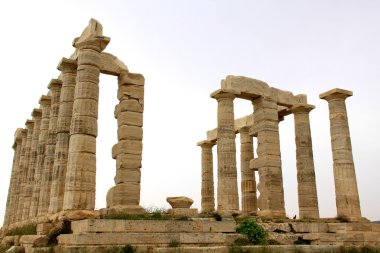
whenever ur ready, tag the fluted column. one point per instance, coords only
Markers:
(248, 181)
(307, 188)
(207, 190)
(45, 105)
(268, 163)
(125, 195)
(227, 192)
(81, 166)
(11, 200)
(36, 114)
(55, 86)
(68, 77)
(346, 189)
(24, 162)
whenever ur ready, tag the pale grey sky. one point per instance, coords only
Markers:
(184, 48)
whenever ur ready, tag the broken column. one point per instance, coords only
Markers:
(227, 191)
(346, 189)
(55, 86)
(125, 195)
(207, 190)
(248, 181)
(68, 68)
(81, 166)
(307, 189)
(45, 104)
(268, 163)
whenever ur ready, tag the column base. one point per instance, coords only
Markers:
(192, 212)
(271, 213)
(125, 209)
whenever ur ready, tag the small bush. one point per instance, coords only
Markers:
(30, 229)
(255, 233)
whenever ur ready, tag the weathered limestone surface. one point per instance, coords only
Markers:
(68, 76)
(307, 188)
(11, 200)
(45, 104)
(268, 163)
(55, 86)
(81, 166)
(248, 181)
(346, 189)
(180, 202)
(24, 162)
(125, 195)
(227, 191)
(207, 191)
(36, 115)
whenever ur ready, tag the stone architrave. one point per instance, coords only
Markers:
(9, 210)
(307, 188)
(268, 163)
(248, 181)
(227, 191)
(24, 162)
(68, 77)
(81, 166)
(207, 190)
(55, 86)
(125, 195)
(346, 189)
(36, 114)
(45, 104)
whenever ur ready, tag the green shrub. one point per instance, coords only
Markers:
(255, 233)
(30, 229)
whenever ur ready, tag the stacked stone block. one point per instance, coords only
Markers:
(207, 191)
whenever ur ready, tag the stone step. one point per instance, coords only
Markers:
(159, 239)
(153, 226)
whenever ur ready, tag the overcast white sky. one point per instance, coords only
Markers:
(184, 48)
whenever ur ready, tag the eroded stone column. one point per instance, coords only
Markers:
(125, 195)
(248, 181)
(11, 200)
(227, 192)
(346, 189)
(207, 190)
(68, 77)
(81, 166)
(268, 163)
(36, 114)
(45, 104)
(55, 86)
(307, 188)
(24, 162)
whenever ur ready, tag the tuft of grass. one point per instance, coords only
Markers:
(255, 233)
(30, 229)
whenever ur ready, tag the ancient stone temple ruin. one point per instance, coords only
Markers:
(52, 184)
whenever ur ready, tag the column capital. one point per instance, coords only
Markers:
(206, 143)
(67, 65)
(301, 108)
(220, 94)
(45, 100)
(336, 94)
(55, 83)
(36, 113)
(29, 123)
(97, 43)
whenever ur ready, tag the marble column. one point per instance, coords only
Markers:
(68, 77)
(248, 181)
(81, 166)
(24, 162)
(45, 104)
(55, 86)
(36, 114)
(207, 190)
(307, 188)
(125, 195)
(9, 210)
(268, 163)
(346, 189)
(227, 191)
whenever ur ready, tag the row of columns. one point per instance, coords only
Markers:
(268, 162)
(54, 166)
